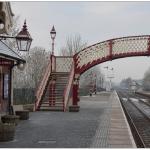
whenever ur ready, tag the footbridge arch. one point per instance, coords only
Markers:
(106, 51)
(110, 50)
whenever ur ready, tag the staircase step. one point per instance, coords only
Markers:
(46, 102)
(56, 103)
(57, 89)
(60, 76)
(51, 109)
(60, 72)
(54, 96)
(57, 92)
(47, 106)
(50, 97)
(55, 99)
(60, 82)
(62, 79)
(54, 93)
(60, 85)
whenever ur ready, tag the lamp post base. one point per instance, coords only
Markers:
(74, 108)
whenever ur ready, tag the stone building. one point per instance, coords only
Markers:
(8, 57)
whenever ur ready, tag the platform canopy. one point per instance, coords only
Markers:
(8, 53)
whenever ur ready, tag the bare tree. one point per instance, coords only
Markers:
(91, 77)
(36, 62)
(146, 80)
(126, 83)
(73, 45)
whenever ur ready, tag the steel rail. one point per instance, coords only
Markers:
(136, 134)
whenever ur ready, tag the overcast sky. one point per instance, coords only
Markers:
(94, 21)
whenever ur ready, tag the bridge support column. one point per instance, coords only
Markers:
(75, 98)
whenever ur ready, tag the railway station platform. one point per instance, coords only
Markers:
(118, 133)
(100, 123)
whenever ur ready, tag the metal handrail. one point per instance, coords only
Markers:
(68, 87)
(42, 86)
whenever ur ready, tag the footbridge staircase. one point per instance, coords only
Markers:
(54, 91)
(60, 82)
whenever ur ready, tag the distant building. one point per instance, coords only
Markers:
(133, 86)
(136, 85)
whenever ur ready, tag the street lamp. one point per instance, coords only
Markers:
(53, 35)
(23, 39)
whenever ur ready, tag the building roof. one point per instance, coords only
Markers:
(9, 53)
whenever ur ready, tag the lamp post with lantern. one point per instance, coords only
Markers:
(53, 35)
(23, 39)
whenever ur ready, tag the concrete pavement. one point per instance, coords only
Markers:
(90, 127)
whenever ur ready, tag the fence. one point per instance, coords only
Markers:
(24, 96)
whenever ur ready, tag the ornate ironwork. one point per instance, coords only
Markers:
(63, 64)
(111, 49)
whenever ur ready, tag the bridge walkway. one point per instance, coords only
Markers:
(100, 123)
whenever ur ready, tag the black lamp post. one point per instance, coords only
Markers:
(53, 35)
(23, 39)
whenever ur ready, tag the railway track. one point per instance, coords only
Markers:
(137, 110)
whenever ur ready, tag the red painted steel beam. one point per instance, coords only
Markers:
(111, 56)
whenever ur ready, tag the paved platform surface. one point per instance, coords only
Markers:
(99, 124)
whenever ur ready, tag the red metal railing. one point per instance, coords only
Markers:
(42, 85)
(68, 88)
(63, 63)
